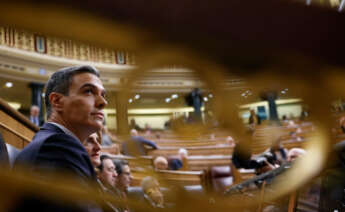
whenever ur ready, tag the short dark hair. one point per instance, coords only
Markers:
(103, 157)
(119, 164)
(61, 80)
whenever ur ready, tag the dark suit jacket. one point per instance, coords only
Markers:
(55, 151)
(136, 146)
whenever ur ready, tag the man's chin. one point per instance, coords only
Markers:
(97, 125)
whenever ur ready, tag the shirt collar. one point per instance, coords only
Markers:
(64, 129)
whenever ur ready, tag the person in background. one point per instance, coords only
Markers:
(179, 162)
(34, 115)
(134, 125)
(93, 148)
(137, 144)
(107, 173)
(123, 181)
(110, 143)
(152, 193)
(160, 163)
(277, 154)
(254, 119)
(148, 130)
(295, 153)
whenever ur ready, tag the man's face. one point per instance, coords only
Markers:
(108, 174)
(34, 111)
(155, 194)
(125, 178)
(162, 165)
(82, 108)
(93, 148)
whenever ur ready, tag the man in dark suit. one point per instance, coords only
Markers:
(75, 99)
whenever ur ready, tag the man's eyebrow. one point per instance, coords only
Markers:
(93, 86)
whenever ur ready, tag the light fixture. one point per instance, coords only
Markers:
(210, 95)
(283, 92)
(174, 96)
(130, 100)
(243, 94)
(167, 100)
(42, 71)
(137, 96)
(9, 84)
(205, 99)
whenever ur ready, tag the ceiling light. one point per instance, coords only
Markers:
(130, 100)
(42, 71)
(137, 96)
(174, 96)
(210, 95)
(9, 84)
(205, 99)
(283, 92)
(243, 94)
(167, 100)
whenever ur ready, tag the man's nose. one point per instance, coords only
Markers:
(101, 102)
(115, 174)
(97, 147)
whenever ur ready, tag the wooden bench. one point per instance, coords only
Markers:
(198, 163)
(15, 128)
(183, 144)
(142, 162)
(204, 150)
(170, 178)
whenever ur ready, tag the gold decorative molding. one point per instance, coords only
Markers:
(53, 46)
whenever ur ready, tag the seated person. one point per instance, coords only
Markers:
(180, 161)
(93, 148)
(160, 163)
(107, 173)
(276, 154)
(137, 145)
(108, 140)
(295, 153)
(123, 181)
(152, 193)
(75, 99)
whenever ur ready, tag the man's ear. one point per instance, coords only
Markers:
(56, 101)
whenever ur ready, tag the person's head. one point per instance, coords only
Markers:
(107, 172)
(75, 98)
(150, 187)
(276, 143)
(294, 153)
(134, 132)
(161, 163)
(34, 111)
(183, 153)
(124, 177)
(93, 148)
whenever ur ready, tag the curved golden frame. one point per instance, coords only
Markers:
(151, 54)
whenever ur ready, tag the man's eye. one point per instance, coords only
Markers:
(88, 91)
